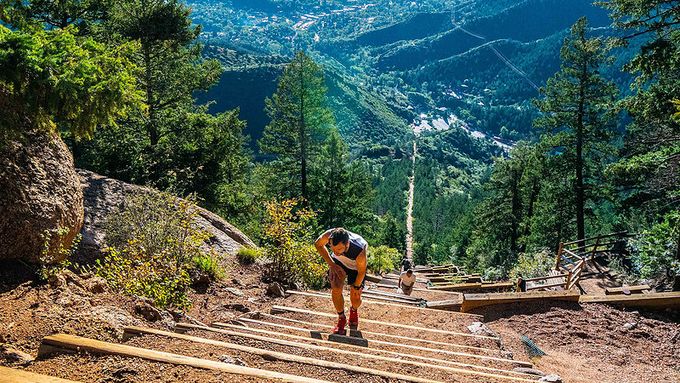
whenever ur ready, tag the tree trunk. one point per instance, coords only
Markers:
(152, 128)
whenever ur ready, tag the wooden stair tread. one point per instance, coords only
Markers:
(13, 375)
(67, 342)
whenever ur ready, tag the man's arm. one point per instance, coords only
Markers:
(320, 245)
(361, 267)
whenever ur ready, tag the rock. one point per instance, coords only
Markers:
(231, 360)
(40, 199)
(552, 378)
(237, 307)
(479, 328)
(235, 291)
(629, 326)
(96, 285)
(531, 371)
(14, 356)
(275, 290)
(147, 311)
(103, 196)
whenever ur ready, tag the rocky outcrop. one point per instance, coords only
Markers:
(105, 195)
(40, 198)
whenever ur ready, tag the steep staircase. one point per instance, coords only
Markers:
(395, 342)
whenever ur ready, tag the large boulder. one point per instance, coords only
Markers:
(104, 196)
(41, 202)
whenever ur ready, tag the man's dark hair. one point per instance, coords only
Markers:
(409, 271)
(339, 235)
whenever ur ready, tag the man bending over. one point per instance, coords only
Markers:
(346, 259)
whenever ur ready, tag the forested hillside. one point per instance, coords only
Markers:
(537, 121)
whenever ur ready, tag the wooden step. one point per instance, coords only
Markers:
(333, 347)
(639, 289)
(398, 345)
(13, 375)
(72, 343)
(375, 302)
(655, 301)
(388, 324)
(392, 287)
(473, 286)
(472, 301)
(275, 355)
(424, 342)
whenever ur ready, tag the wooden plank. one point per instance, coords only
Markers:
(79, 344)
(373, 299)
(362, 353)
(401, 345)
(13, 375)
(472, 301)
(392, 336)
(622, 289)
(450, 304)
(561, 275)
(390, 324)
(376, 302)
(381, 285)
(546, 286)
(651, 301)
(474, 286)
(392, 295)
(275, 355)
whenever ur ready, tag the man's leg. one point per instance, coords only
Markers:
(355, 298)
(337, 285)
(338, 300)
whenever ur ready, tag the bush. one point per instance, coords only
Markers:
(655, 251)
(209, 265)
(382, 259)
(288, 245)
(248, 255)
(533, 265)
(152, 247)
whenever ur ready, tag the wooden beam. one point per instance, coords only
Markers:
(401, 345)
(472, 301)
(547, 286)
(13, 375)
(382, 285)
(361, 354)
(375, 302)
(275, 355)
(655, 301)
(399, 337)
(474, 286)
(450, 304)
(392, 295)
(72, 343)
(623, 289)
(562, 275)
(390, 324)
(373, 299)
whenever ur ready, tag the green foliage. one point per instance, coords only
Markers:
(153, 245)
(47, 268)
(289, 245)
(209, 265)
(248, 255)
(383, 259)
(533, 265)
(54, 78)
(300, 121)
(658, 248)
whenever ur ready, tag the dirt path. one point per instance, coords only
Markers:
(409, 207)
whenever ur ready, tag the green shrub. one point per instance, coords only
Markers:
(533, 265)
(382, 259)
(248, 255)
(153, 245)
(48, 269)
(289, 245)
(655, 250)
(208, 264)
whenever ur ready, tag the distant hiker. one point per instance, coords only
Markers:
(407, 280)
(521, 284)
(347, 259)
(405, 264)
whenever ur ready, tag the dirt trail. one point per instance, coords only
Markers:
(409, 207)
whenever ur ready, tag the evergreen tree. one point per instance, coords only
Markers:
(300, 120)
(577, 112)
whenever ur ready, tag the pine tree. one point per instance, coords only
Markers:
(577, 112)
(300, 120)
